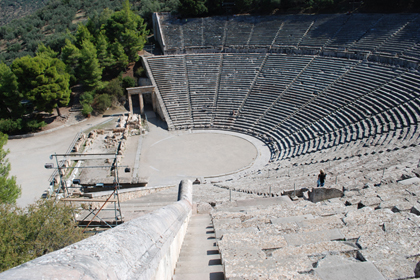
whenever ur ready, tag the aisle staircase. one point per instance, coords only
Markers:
(199, 257)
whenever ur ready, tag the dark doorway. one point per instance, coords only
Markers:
(136, 103)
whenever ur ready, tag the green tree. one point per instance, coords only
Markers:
(46, 51)
(83, 34)
(102, 102)
(89, 71)
(10, 98)
(128, 29)
(192, 7)
(120, 58)
(243, 5)
(105, 58)
(9, 190)
(42, 227)
(114, 87)
(70, 55)
(43, 80)
(97, 21)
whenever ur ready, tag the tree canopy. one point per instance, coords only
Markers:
(9, 190)
(43, 81)
(192, 7)
(28, 233)
(128, 29)
(10, 98)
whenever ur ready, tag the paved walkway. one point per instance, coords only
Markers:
(199, 257)
(28, 156)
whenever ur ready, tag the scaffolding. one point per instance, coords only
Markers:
(64, 194)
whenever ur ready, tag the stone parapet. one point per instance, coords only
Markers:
(144, 248)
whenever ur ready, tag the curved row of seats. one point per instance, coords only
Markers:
(296, 104)
(389, 34)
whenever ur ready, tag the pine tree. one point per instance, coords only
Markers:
(43, 80)
(10, 98)
(90, 72)
(70, 55)
(104, 57)
(128, 29)
(9, 190)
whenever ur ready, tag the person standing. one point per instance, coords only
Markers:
(321, 178)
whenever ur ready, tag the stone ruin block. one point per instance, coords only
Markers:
(122, 122)
(320, 194)
(79, 143)
(118, 129)
(92, 134)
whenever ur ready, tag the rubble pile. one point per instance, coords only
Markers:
(79, 143)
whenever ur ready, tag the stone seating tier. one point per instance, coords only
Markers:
(384, 35)
(293, 99)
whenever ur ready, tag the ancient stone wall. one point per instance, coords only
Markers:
(144, 248)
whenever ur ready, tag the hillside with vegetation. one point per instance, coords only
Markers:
(104, 45)
(15, 9)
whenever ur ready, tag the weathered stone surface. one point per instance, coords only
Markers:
(259, 239)
(264, 201)
(203, 208)
(315, 248)
(410, 181)
(329, 222)
(291, 219)
(320, 194)
(313, 237)
(396, 267)
(349, 271)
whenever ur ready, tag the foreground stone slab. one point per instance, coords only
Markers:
(297, 239)
(264, 201)
(292, 219)
(410, 181)
(349, 271)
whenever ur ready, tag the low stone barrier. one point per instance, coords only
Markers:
(129, 193)
(144, 248)
(320, 194)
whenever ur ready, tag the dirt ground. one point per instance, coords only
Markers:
(28, 155)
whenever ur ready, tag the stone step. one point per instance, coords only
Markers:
(209, 257)
(199, 257)
(194, 251)
(204, 275)
(196, 267)
(296, 239)
(349, 271)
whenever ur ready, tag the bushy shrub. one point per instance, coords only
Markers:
(19, 126)
(34, 125)
(42, 227)
(102, 102)
(10, 126)
(140, 72)
(114, 88)
(86, 97)
(87, 109)
(128, 82)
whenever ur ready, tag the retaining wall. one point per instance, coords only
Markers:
(144, 248)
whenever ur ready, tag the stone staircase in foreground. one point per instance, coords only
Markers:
(199, 257)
